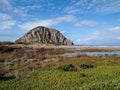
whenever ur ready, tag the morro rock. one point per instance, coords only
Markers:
(44, 35)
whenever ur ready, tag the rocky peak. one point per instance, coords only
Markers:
(45, 35)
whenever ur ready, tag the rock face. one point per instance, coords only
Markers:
(45, 35)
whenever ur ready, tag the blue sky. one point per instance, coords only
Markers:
(86, 22)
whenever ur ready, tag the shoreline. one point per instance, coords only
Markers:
(36, 46)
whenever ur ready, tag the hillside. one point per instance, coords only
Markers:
(45, 35)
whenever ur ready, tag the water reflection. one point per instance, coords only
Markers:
(94, 53)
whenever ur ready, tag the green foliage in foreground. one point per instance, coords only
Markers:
(67, 67)
(85, 66)
(98, 78)
(2, 60)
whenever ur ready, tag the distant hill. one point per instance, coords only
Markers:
(45, 35)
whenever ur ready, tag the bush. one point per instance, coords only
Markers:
(67, 67)
(6, 49)
(25, 43)
(6, 43)
(85, 66)
(1, 76)
(2, 60)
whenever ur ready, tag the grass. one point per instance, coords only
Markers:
(68, 73)
(99, 50)
(104, 76)
(99, 78)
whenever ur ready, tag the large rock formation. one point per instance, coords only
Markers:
(45, 35)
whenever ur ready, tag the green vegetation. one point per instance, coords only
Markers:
(67, 67)
(45, 69)
(22, 43)
(2, 60)
(99, 78)
(6, 43)
(85, 66)
(98, 50)
(56, 75)
(5, 49)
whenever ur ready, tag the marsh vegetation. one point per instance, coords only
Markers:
(26, 68)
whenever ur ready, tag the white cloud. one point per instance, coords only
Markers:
(51, 22)
(6, 21)
(89, 23)
(112, 6)
(93, 6)
(23, 10)
(6, 3)
(71, 9)
(110, 36)
(77, 42)
(7, 6)
(20, 11)
(48, 22)
(33, 7)
(32, 24)
(67, 18)
(4, 16)
(7, 24)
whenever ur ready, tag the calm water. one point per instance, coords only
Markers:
(94, 53)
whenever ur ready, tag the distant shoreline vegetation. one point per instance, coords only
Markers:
(12, 42)
(97, 45)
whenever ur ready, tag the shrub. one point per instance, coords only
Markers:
(83, 75)
(25, 43)
(6, 49)
(5, 78)
(6, 42)
(2, 60)
(67, 67)
(85, 66)
(1, 76)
